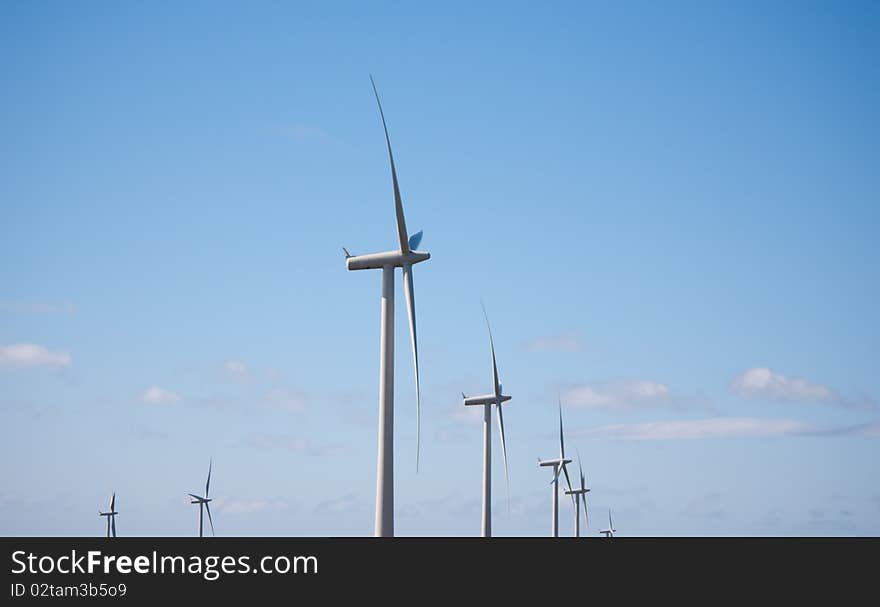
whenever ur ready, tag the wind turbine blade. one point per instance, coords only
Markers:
(586, 515)
(208, 484)
(410, 295)
(567, 480)
(210, 520)
(194, 496)
(580, 469)
(610, 524)
(398, 204)
(113, 502)
(492, 348)
(415, 240)
(114, 525)
(504, 453)
(561, 438)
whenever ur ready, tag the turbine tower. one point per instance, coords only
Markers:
(405, 257)
(558, 466)
(111, 516)
(203, 503)
(487, 400)
(578, 495)
(611, 530)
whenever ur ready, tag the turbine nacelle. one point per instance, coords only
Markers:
(377, 261)
(486, 399)
(199, 500)
(554, 462)
(577, 491)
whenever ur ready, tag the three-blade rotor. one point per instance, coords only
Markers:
(206, 500)
(405, 257)
(499, 399)
(561, 467)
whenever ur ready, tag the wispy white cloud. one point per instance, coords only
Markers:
(718, 427)
(870, 429)
(236, 370)
(289, 400)
(346, 504)
(561, 342)
(32, 355)
(618, 395)
(761, 382)
(154, 395)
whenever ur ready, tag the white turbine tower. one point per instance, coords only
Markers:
(487, 400)
(203, 503)
(558, 466)
(111, 516)
(611, 530)
(405, 257)
(578, 495)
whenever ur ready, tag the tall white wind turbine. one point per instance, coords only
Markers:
(204, 502)
(487, 400)
(578, 495)
(558, 467)
(111, 516)
(611, 530)
(405, 257)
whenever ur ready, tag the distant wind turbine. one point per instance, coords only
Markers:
(487, 400)
(578, 495)
(558, 466)
(611, 530)
(405, 257)
(204, 502)
(111, 516)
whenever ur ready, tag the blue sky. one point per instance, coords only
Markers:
(670, 214)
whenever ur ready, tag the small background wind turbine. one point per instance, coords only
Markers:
(578, 495)
(558, 466)
(111, 516)
(405, 257)
(611, 530)
(204, 502)
(487, 400)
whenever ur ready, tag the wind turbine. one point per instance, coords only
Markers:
(405, 257)
(611, 530)
(111, 516)
(578, 495)
(203, 502)
(487, 400)
(558, 466)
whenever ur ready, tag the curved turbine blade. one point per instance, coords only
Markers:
(113, 525)
(581, 470)
(415, 240)
(398, 204)
(492, 348)
(504, 453)
(210, 520)
(410, 295)
(567, 480)
(113, 502)
(208, 484)
(561, 439)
